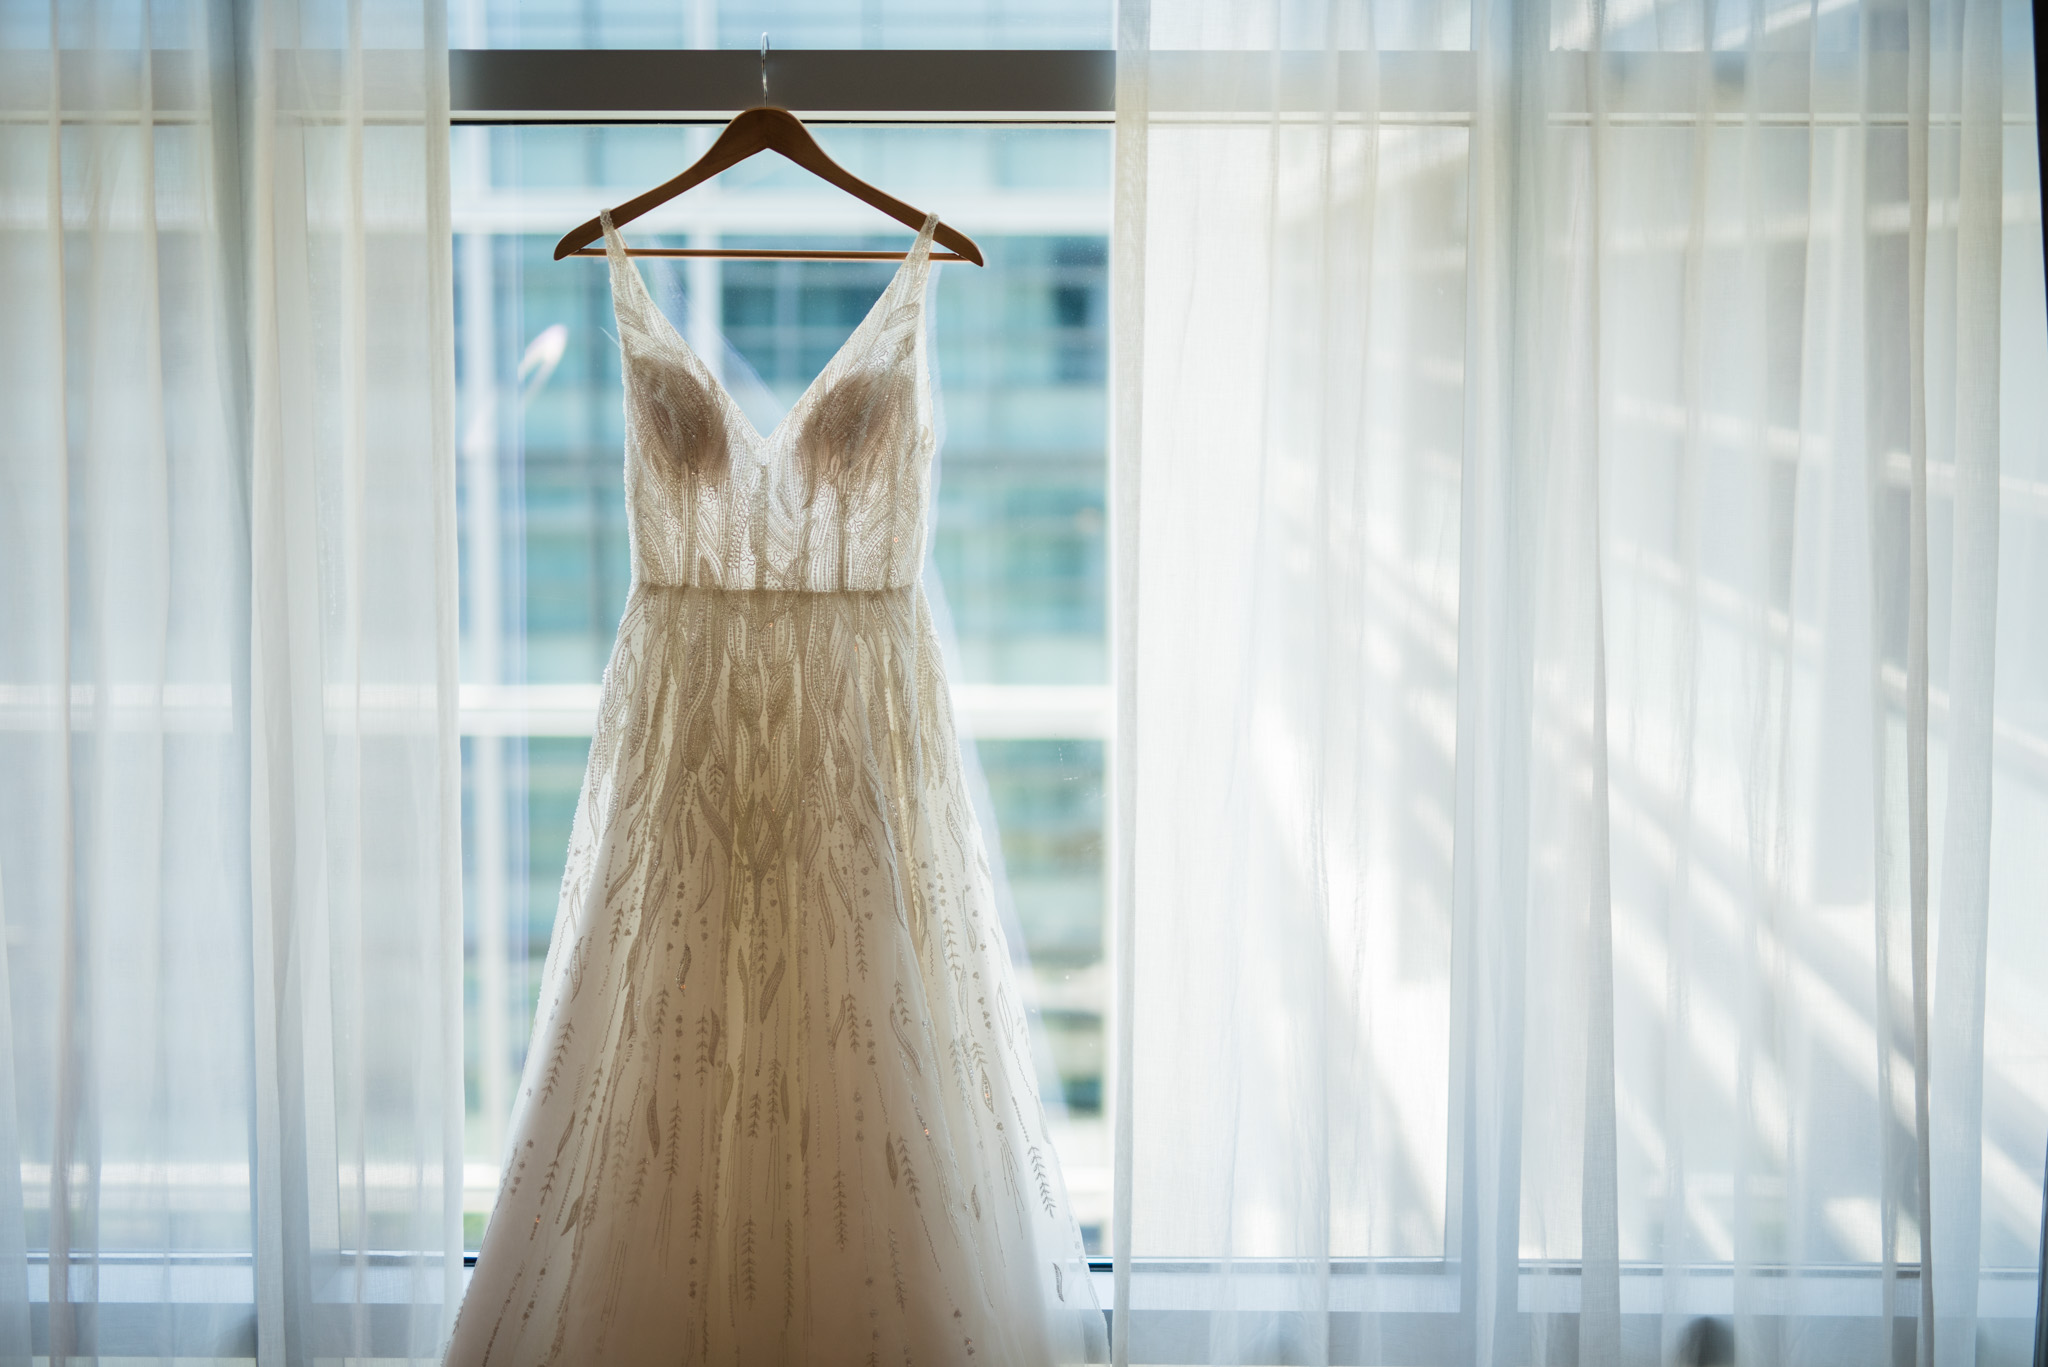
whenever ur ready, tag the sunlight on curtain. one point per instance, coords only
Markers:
(230, 1077)
(1582, 547)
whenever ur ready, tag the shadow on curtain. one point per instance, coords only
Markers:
(1582, 560)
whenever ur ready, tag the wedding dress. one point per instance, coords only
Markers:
(780, 1104)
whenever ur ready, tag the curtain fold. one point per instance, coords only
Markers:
(229, 796)
(1581, 558)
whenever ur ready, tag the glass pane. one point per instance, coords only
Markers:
(1018, 571)
(1048, 801)
(790, 23)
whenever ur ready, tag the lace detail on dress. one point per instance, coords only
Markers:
(780, 1105)
(831, 499)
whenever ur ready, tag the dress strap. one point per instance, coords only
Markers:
(614, 245)
(629, 289)
(917, 262)
(622, 266)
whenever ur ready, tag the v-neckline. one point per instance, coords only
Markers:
(759, 439)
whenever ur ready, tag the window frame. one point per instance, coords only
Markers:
(1077, 86)
(843, 87)
(821, 85)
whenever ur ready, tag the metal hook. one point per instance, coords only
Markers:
(764, 68)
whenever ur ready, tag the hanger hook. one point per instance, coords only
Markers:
(764, 68)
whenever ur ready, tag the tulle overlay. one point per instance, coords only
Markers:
(780, 1102)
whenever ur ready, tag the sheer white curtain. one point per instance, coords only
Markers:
(1582, 554)
(230, 1060)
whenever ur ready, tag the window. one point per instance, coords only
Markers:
(1019, 351)
(1019, 554)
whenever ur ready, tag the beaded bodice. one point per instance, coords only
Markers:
(832, 498)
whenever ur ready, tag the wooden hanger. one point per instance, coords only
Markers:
(767, 128)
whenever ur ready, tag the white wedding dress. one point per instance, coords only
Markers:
(780, 1104)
